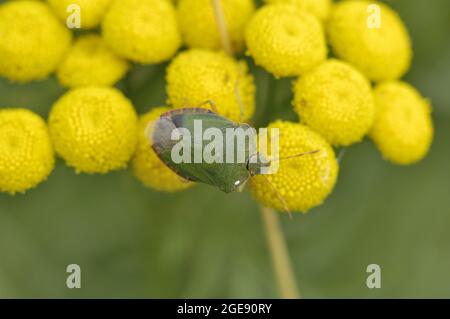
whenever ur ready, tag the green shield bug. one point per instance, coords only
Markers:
(202, 146)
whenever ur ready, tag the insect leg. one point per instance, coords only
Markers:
(184, 180)
(210, 103)
(241, 187)
(341, 154)
(280, 198)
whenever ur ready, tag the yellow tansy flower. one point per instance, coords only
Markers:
(403, 129)
(285, 40)
(144, 31)
(91, 11)
(336, 100)
(381, 51)
(197, 75)
(94, 129)
(303, 182)
(32, 40)
(198, 22)
(26, 153)
(90, 62)
(146, 165)
(320, 8)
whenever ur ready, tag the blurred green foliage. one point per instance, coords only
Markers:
(133, 242)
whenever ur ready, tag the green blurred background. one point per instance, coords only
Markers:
(134, 242)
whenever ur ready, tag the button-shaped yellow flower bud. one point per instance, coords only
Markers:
(198, 22)
(94, 129)
(320, 8)
(89, 63)
(144, 31)
(197, 75)
(372, 37)
(32, 40)
(403, 128)
(303, 182)
(91, 11)
(26, 153)
(335, 100)
(285, 40)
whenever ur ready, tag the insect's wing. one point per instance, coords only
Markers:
(161, 135)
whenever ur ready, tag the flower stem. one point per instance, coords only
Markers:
(268, 105)
(281, 262)
(222, 27)
(277, 245)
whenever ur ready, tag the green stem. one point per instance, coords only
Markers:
(281, 262)
(264, 114)
(128, 88)
(222, 27)
(277, 246)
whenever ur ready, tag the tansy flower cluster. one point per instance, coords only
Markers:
(344, 59)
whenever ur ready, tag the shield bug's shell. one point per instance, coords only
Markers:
(223, 174)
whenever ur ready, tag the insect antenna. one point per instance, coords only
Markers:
(296, 155)
(211, 104)
(280, 198)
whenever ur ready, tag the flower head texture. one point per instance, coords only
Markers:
(94, 129)
(32, 40)
(302, 182)
(336, 100)
(380, 49)
(144, 31)
(285, 40)
(26, 153)
(90, 62)
(146, 165)
(198, 22)
(403, 129)
(91, 11)
(198, 75)
(320, 8)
